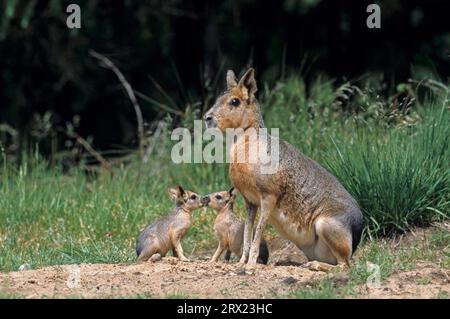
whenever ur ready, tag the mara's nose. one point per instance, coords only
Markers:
(205, 200)
(208, 118)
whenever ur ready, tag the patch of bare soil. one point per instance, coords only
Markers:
(425, 282)
(201, 279)
(160, 279)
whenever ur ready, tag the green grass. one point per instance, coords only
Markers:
(398, 172)
(400, 178)
(52, 218)
(442, 295)
(4, 295)
(325, 289)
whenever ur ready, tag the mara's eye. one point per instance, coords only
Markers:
(235, 102)
(193, 197)
(218, 197)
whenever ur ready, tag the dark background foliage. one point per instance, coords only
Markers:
(176, 52)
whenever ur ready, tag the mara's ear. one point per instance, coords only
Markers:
(176, 193)
(180, 191)
(232, 191)
(231, 79)
(248, 84)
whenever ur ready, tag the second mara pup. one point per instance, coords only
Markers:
(229, 228)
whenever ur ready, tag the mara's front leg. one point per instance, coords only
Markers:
(248, 230)
(218, 253)
(176, 243)
(268, 204)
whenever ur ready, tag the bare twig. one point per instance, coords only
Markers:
(137, 109)
(151, 147)
(179, 12)
(163, 92)
(157, 104)
(83, 142)
(431, 84)
(8, 129)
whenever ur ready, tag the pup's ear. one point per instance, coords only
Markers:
(232, 193)
(248, 84)
(180, 190)
(176, 193)
(231, 79)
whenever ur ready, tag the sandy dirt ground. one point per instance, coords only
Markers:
(426, 281)
(201, 279)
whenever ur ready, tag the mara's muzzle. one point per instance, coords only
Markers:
(205, 200)
(209, 121)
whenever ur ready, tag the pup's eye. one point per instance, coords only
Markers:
(193, 196)
(218, 197)
(235, 102)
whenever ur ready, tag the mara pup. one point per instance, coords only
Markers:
(165, 233)
(302, 200)
(229, 228)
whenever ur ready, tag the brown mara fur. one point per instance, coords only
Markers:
(166, 232)
(229, 229)
(303, 201)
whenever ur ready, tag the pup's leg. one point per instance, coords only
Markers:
(248, 231)
(178, 249)
(268, 204)
(218, 253)
(155, 257)
(147, 252)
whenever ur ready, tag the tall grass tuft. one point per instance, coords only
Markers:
(401, 177)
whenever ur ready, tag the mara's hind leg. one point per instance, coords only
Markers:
(333, 246)
(155, 257)
(148, 252)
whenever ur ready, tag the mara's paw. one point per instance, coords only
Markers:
(155, 257)
(318, 266)
(242, 261)
(250, 269)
